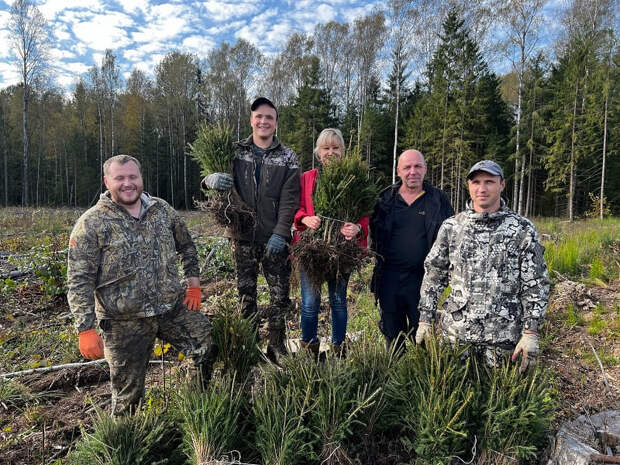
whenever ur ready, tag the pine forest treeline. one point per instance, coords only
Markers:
(416, 74)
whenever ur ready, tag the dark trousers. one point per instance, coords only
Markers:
(277, 271)
(399, 295)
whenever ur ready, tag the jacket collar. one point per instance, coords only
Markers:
(106, 199)
(247, 143)
(486, 216)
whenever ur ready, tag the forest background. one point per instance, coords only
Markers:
(415, 74)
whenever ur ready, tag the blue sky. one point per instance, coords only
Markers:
(141, 32)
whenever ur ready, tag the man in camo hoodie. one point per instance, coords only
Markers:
(493, 262)
(123, 282)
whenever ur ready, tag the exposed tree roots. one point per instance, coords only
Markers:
(323, 259)
(229, 210)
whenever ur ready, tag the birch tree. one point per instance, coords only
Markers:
(29, 36)
(522, 19)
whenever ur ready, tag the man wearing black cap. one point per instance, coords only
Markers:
(493, 262)
(266, 176)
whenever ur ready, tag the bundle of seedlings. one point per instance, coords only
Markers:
(514, 411)
(144, 437)
(344, 193)
(281, 406)
(340, 401)
(430, 394)
(214, 150)
(235, 338)
(212, 423)
(369, 364)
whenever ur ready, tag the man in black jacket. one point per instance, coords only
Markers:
(266, 176)
(403, 228)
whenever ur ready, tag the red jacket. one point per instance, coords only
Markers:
(306, 208)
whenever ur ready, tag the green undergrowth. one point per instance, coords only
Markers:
(26, 346)
(24, 228)
(427, 405)
(586, 249)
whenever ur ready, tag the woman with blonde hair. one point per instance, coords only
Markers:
(329, 146)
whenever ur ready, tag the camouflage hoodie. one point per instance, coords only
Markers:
(122, 267)
(494, 265)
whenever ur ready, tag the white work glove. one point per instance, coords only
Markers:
(422, 332)
(528, 346)
(218, 181)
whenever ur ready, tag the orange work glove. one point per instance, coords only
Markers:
(91, 345)
(192, 298)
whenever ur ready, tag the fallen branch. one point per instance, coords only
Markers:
(604, 458)
(15, 274)
(600, 364)
(62, 367)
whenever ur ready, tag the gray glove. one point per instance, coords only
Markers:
(218, 181)
(275, 244)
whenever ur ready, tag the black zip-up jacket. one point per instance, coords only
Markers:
(276, 199)
(438, 208)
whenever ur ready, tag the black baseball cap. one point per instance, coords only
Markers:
(488, 166)
(263, 101)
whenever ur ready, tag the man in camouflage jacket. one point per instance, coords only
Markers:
(266, 176)
(493, 262)
(123, 279)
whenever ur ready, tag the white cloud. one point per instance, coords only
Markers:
(9, 74)
(352, 14)
(137, 53)
(61, 32)
(165, 21)
(59, 54)
(260, 31)
(325, 13)
(215, 30)
(67, 81)
(77, 67)
(5, 39)
(51, 8)
(4, 18)
(79, 48)
(148, 65)
(198, 44)
(223, 11)
(306, 19)
(98, 59)
(131, 6)
(104, 31)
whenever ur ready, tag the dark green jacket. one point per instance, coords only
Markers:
(276, 199)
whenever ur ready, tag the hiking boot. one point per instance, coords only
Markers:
(205, 368)
(276, 347)
(340, 351)
(313, 348)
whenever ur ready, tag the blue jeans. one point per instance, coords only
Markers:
(311, 303)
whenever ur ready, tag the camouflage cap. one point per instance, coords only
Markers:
(488, 166)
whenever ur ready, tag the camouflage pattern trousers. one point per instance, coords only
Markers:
(128, 345)
(277, 272)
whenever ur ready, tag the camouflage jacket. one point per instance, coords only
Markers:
(122, 267)
(494, 265)
(276, 199)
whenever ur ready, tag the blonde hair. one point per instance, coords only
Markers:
(326, 136)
